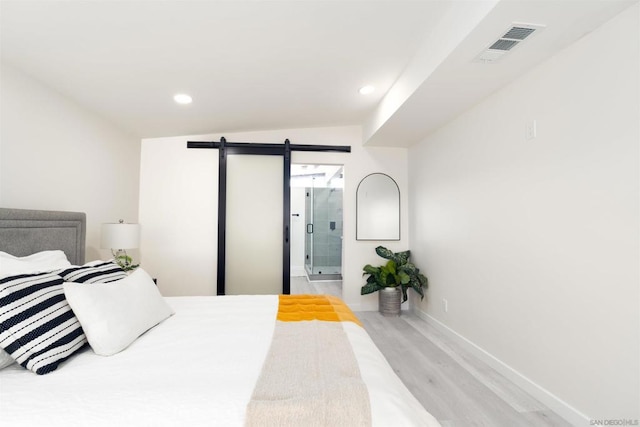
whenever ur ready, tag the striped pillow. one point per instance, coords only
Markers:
(37, 327)
(102, 272)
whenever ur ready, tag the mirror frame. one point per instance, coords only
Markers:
(361, 211)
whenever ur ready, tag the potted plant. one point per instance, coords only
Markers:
(125, 261)
(395, 276)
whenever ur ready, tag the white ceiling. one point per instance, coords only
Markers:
(258, 65)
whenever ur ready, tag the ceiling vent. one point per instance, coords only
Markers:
(511, 38)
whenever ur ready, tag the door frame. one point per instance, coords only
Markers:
(252, 148)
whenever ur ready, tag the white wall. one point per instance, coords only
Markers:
(535, 243)
(56, 155)
(178, 205)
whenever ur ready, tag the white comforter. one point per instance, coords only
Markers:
(198, 367)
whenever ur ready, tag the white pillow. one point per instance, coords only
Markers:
(113, 315)
(5, 359)
(40, 262)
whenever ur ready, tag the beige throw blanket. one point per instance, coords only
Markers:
(310, 378)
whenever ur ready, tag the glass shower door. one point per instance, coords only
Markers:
(308, 240)
(323, 240)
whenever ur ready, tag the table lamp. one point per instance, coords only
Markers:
(119, 237)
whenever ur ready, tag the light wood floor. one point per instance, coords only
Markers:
(452, 384)
(300, 285)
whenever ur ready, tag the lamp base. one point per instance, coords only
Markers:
(123, 260)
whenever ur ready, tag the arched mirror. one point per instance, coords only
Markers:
(378, 208)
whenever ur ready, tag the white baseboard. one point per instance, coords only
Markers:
(563, 409)
(297, 271)
(373, 306)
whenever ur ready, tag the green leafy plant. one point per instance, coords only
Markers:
(396, 272)
(126, 262)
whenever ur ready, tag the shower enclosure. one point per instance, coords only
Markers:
(323, 238)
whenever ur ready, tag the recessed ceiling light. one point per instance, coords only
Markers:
(366, 90)
(182, 98)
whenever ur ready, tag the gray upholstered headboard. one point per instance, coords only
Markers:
(24, 232)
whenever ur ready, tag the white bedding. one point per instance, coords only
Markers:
(198, 367)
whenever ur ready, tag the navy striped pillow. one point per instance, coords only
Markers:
(97, 273)
(37, 327)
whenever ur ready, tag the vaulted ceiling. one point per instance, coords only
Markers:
(257, 65)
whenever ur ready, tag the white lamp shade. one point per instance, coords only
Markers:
(120, 236)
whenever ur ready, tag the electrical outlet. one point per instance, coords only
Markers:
(445, 305)
(530, 130)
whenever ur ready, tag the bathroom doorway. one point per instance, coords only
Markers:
(316, 227)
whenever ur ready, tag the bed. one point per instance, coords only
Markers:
(223, 361)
